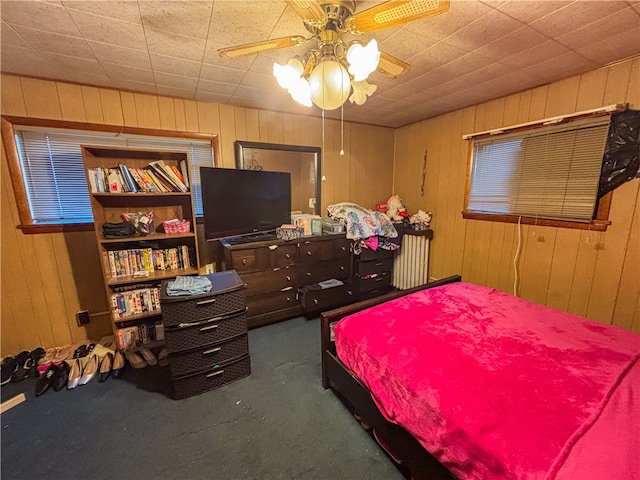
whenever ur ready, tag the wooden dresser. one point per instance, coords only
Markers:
(206, 335)
(372, 273)
(282, 277)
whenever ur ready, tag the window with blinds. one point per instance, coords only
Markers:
(551, 172)
(54, 176)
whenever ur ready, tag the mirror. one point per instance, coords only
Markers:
(303, 163)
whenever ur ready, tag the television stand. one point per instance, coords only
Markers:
(253, 237)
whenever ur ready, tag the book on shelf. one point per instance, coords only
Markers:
(125, 263)
(157, 177)
(135, 302)
(132, 336)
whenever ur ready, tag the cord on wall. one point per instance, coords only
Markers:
(515, 259)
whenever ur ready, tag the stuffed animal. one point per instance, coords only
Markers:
(395, 209)
(420, 220)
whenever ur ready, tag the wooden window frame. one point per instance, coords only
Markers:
(15, 170)
(600, 220)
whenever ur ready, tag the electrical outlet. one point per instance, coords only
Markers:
(210, 268)
(83, 317)
(312, 202)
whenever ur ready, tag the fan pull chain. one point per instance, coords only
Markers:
(342, 130)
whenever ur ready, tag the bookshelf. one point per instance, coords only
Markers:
(122, 181)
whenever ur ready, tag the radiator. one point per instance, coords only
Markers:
(411, 262)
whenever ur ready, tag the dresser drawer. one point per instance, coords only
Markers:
(208, 356)
(195, 335)
(372, 283)
(368, 254)
(189, 385)
(272, 280)
(373, 266)
(202, 308)
(328, 298)
(261, 304)
(317, 272)
(260, 258)
(315, 251)
(341, 247)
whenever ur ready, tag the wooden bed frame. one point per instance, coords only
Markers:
(406, 452)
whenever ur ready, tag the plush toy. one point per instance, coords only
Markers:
(395, 209)
(420, 220)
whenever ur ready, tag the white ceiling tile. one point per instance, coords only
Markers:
(176, 92)
(461, 13)
(182, 18)
(135, 86)
(405, 47)
(236, 23)
(613, 48)
(212, 97)
(176, 81)
(166, 43)
(575, 15)
(621, 21)
(559, 67)
(528, 11)
(211, 57)
(52, 42)
(10, 37)
(537, 54)
(264, 82)
(226, 89)
(105, 30)
(176, 66)
(76, 64)
(221, 74)
(121, 72)
(116, 55)
(127, 11)
(485, 29)
(22, 60)
(435, 57)
(39, 15)
(511, 44)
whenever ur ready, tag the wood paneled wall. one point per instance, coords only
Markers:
(47, 278)
(593, 274)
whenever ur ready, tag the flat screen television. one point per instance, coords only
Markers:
(244, 202)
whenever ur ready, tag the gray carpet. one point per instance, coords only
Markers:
(278, 423)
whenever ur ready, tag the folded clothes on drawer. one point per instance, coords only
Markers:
(189, 286)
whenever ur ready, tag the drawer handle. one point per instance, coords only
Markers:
(273, 247)
(213, 350)
(286, 289)
(288, 278)
(378, 279)
(288, 299)
(349, 292)
(378, 264)
(308, 274)
(206, 302)
(210, 327)
(344, 249)
(341, 268)
(244, 261)
(215, 374)
(287, 255)
(309, 253)
(315, 300)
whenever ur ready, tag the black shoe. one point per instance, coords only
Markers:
(118, 364)
(61, 377)
(104, 370)
(24, 366)
(7, 368)
(36, 355)
(46, 380)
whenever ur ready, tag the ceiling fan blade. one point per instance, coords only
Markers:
(391, 66)
(309, 10)
(260, 47)
(394, 13)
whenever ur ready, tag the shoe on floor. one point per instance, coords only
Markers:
(118, 364)
(62, 376)
(24, 366)
(163, 357)
(106, 364)
(46, 380)
(148, 356)
(7, 368)
(90, 370)
(135, 360)
(36, 354)
(74, 374)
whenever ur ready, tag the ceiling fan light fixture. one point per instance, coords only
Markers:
(329, 84)
(361, 91)
(363, 60)
(290, 78)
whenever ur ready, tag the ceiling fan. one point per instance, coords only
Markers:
(338, 65)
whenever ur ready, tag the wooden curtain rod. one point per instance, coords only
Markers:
(550, 121)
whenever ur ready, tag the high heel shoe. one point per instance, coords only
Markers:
(62, 376)
(105, 367)
(118, 364)
(46, 380)
(74, 374)
(90, 370)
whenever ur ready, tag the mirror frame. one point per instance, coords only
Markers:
(240, 145)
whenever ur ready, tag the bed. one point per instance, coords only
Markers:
(456, 380)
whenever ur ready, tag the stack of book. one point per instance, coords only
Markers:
(157, 177)
(140, 335)
(124, 263)
(135, 302)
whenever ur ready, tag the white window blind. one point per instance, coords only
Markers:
(54, 176)
(549, 172)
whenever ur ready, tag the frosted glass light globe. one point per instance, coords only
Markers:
(330, 85)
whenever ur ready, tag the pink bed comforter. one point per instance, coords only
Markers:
(498, 387)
